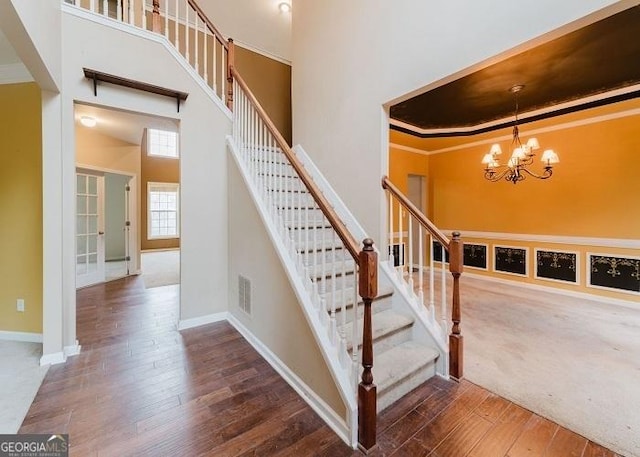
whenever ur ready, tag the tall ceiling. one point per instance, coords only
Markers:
(594, 60)
(257, 24)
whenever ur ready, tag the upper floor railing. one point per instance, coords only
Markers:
(184, 25)
(413, 238)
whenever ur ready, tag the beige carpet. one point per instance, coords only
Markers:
(20, 378)
(161, 268)
(574, 361)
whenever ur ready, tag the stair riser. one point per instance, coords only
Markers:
(283, 183)
(382, 343)
(319, 235)
(329, 257)
(295, 217)
(404, 386)
(377, 306)
(294, 199)
(325, 285)
(282, 169)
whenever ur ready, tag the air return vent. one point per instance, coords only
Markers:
(244, 294)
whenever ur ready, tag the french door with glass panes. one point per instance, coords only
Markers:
(89, 229)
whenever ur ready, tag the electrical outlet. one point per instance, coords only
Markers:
(20, 305)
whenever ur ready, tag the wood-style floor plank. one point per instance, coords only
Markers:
(141, 388)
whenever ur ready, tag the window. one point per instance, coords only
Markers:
(162, 210)
(162, 143)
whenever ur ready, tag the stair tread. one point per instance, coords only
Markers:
(397, 363)
(386, 322)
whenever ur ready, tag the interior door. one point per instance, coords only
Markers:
(90, 255)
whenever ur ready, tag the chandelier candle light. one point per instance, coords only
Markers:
(522, 155)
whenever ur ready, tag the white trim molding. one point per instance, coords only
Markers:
(14, 73)
(53, 359)
(557, 239)
(402, 147)
(74, 349)
(185, 324)
(25, 337)
(570, 293)
(337, 424)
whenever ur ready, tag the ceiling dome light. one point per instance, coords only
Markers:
(88, 121)
(285, 7)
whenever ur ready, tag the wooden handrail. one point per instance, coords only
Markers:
(209, 24)
(426, 223)
(345, 235)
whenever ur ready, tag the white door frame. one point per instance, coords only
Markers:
(134, 247)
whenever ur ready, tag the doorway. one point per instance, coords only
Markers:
(90, 267)
(117, 226)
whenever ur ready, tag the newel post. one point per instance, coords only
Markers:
(368, 285)
(155, 23)
(456, 250)
(230, 64)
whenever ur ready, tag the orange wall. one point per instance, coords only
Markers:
(156, 169)
(590, 194)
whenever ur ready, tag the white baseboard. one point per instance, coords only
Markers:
(557, 290)
(337, 424)
(21, 336)
(72, 350)
(53, 359)
(202, 320)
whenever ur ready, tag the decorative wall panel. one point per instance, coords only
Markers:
(510, 260)
(475, 255)
(614, 272)
(557, 265)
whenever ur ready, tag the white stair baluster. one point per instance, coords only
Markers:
(343, 309)
(144, 14)
(443, 291)
(187, 28)
(196, 38)
(131, 12)
(177, 29)
(205, 55)
(334, 279)
(410, 255)
(214, 63)
(420, 267)
(166, 20)
(401, 253)
(391, 258)
(432, 293)
(105, 8)
(354, 333)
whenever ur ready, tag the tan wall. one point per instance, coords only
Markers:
(156, 169)
(21, 207)
(270, 81)
(277, 318)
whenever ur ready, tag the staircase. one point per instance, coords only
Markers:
(360, 310)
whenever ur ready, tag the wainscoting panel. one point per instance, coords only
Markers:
(614, 272)
(509, 259)
(557, 265)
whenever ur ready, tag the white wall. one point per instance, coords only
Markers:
(255, 24)
(350, 58)
(277, 319)
(203, 127)
(33, 29)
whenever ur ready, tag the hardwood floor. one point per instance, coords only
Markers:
(140, 387)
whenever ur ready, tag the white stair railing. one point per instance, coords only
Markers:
(323, 260)
(183, 24)
(412, 239)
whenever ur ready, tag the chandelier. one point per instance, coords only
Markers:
(517, 168)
